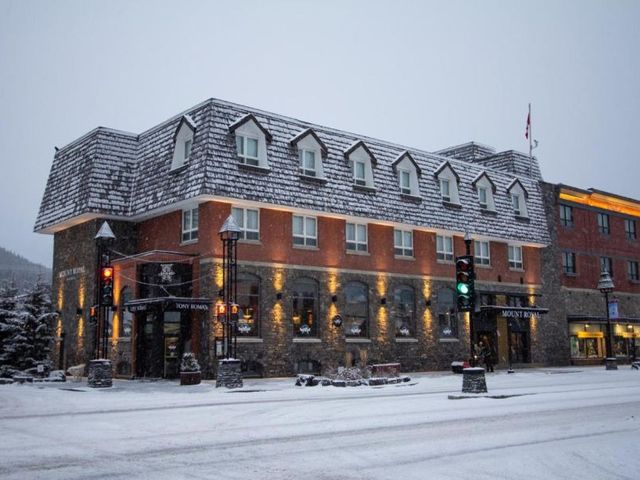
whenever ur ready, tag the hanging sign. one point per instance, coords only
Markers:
(613, 310)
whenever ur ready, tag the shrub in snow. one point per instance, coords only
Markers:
(189, 363)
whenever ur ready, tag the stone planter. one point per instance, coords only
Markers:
(190, 378)
(473, 380)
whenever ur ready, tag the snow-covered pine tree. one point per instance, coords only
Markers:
(38, 319)
(11, 338)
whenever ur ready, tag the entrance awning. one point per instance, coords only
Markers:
(179, 304)
(514, 312)
(600, 319)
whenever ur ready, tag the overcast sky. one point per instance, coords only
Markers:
(423, 74)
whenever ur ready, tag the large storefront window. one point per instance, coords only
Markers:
(447, 318)
(404, 311)
(356, 310)
(305, 304)
(249, 302)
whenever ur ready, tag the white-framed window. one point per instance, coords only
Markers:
(356, 237)
(483, 197)
(404, 176)
(247, 149)
(632, 268)
(481, 253)
(445, 189)
(305, 231)
(190, 224)
(248, 219)
(403, 243)
(444, 248)
(518, 198)
(308, 162)
(515, 257)
(359, 172)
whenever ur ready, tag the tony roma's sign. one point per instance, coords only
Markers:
(168, 303)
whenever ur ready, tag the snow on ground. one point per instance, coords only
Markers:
(569, 423)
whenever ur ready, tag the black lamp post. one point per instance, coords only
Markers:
(605, 285)
(467, 244)
(104, 238)
(229, 234)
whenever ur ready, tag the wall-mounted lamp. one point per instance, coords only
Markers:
(630, 327)
(334, 298)
(78, 311)
(499, 278)
(279, 296)
(428, 303)
(383, 301)
(586, 327)
(114, 308)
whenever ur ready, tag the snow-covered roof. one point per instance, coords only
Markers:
(118, 175)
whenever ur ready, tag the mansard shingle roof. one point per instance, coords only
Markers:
(117, 174)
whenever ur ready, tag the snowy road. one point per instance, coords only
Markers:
(556, 423)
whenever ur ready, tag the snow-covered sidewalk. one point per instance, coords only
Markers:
(553, 423)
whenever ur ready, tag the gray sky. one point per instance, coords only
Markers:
(424, 74)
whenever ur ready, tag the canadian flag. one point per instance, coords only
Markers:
(526, 132)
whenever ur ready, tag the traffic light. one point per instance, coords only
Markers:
(106, 286)
(221, 312)
(234, 312)
(93, 314)
(465, 287)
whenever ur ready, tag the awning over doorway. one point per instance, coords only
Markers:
(600, 319)
(179, 304)
(514, 312)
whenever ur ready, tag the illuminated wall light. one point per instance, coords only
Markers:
(332, 282)
(381, 285)
(383, 324)
(218, 276)
(278, 279)
(81, 293)
(333, 331)
(426, 288)
(60, 296)
(59, 327)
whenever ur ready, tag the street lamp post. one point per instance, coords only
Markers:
(605, 285)
(103, 238)
(229, 234)
(229, 369)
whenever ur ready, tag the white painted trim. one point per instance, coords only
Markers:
(357, 340)
(307, 340)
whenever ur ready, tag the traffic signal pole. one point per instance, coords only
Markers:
(472, 358)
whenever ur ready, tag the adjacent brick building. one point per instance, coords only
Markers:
(332, 223)
(593, 231)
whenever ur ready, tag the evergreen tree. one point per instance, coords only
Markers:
(11, 338)
(38, 321)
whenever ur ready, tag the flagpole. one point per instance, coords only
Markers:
(530, 141)
(530, 134)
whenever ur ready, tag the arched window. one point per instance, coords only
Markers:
(404, 306)
(356, 310)
(126, 317)
(305, 308)
(447, 317)
(249, 302)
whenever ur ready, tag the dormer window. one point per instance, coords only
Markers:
(183, 141)
(247, 149)
(482, 197)
(486, 189)
(311, 151)
(518, 198)
(359, 172)
(405, 181)
(361, 161)
(408, 173)
(251, 141)
(445, 190)
(187, 149)
(308, 163)
(448, 180)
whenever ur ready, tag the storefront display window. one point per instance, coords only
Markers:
(249, 303)
(304, 311)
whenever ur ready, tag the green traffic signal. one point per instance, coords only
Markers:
(463, 288)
